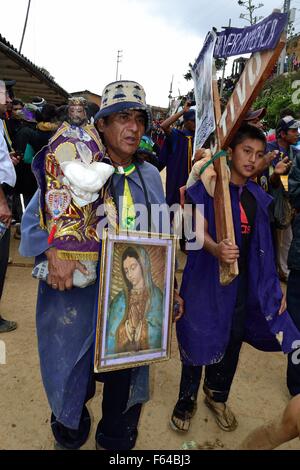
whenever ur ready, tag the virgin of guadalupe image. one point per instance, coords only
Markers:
(135, 314)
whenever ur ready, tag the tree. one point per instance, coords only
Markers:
(48, 74)
(250, 7)
(188, 76)
(276, 95)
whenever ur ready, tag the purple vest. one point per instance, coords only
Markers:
(73, 232)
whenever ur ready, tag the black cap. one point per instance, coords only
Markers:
(286, 123)
(9, 83)
(255, 114)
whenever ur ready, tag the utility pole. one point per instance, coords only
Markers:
(171, 92)
(119, 59)
(286, 9)
(224, 64)
(25, 26)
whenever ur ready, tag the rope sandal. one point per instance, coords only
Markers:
(182, 415)
(6, 325)
(224, 418)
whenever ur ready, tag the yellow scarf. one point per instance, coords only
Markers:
(47, 126)
(190, 152)
(128, 211)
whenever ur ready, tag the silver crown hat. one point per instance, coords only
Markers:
(121, 95)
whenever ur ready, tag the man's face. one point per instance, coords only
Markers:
(5, 102)
(77, 115)
(122, 133)
(246, 158)
(16, 108)
(190, 126)
(291, 136)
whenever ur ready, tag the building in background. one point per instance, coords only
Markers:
(31, 80)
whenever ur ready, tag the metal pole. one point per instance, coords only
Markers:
(286, 9)
(119, 57)
(224, 67)
(117, 66)
(25, 26)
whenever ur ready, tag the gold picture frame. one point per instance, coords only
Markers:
(135, 302)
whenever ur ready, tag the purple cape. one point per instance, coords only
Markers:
(174, 156)
(204, 330)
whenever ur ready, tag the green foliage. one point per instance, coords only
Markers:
(276, 95)
(188, 76)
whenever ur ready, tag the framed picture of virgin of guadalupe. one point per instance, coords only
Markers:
(135, 301)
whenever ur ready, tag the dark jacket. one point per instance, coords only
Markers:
(294, 194)
(37, 138)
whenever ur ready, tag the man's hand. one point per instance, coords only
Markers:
(283, 167)
(15, 158)
(266, 161)
(209, 176)
(202, 153)
(226, 252)
(187, 106)
(5, 213)
(283, 304)
(178, 306)
(61, 271)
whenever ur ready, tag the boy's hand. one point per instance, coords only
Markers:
(179, 304)
(226, 252)
(266, 161)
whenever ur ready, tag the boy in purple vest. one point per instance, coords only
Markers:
(218, 319)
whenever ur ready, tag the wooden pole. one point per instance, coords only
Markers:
(222, 201)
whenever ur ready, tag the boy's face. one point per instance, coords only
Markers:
(245, 160)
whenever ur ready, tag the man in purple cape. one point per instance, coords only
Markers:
(218, 319)
(66, 319)
(177, 151)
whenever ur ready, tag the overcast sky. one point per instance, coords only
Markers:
(77, 40)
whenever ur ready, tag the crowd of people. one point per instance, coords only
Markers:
(47, 155)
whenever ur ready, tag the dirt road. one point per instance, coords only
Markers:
(258, 393)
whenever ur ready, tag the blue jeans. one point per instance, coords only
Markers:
(118, 427)
(219, 376)
(293, 306)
